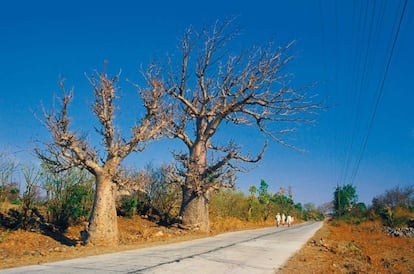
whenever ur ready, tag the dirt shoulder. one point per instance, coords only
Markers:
(339, 247)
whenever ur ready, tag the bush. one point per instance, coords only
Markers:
(128, 206)
(74, 205)
(164, 193)
(229, 203)
(69, 196)
(395, 207)
(398, 217)
(9, 192)
(311, 212)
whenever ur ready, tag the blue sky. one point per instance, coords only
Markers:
(364, 137)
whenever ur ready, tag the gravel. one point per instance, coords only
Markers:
(407, 232)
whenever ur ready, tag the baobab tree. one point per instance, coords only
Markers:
(67, 149)
(211, 88)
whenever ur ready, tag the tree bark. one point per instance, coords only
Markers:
(194, 206)
(194, 210)
(103, 223)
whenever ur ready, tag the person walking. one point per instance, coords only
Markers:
(278, 219)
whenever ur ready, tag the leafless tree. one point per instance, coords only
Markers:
(164, 191)
(130, 181)
(30, 196)
(212, 87)
(68, 149)
(7, 168)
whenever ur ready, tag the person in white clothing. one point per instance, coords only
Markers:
(278, 219)
(289, 220)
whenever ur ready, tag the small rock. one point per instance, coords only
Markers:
(35, 253)
(57, 249)
(385, 263)
(159, 234)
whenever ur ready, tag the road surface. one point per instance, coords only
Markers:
(262, 250)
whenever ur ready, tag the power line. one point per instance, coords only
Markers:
(371, 48)
(363, 27)
(380, 93)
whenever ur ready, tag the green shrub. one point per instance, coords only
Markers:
(397, 217)
(128, 206)
(74, 205)
(229, 203)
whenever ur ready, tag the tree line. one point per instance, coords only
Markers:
(395, 207)
(66, 198)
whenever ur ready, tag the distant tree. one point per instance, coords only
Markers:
(213, 87)
(327, 208)
(299, 206)
(69, 149)
(345, 197)
(252, 190)
(358, 213)
(263, 192)
(396, 197)
(264, 199)
(31, 197)
(7, 168)
(284, 203)
(164, 191)
(254, 205)
(395, 206)
(311, 212)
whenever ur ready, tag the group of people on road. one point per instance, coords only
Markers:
(283, 219)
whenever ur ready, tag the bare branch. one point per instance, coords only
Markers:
(68, 149)
(215, 85)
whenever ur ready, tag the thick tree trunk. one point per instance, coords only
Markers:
(194, 206)
(103, 223)
(194, 210)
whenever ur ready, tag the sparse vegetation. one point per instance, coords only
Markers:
(312, 213)
(68, 196)
(8, 188)
(395, 207)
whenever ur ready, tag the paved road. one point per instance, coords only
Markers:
(252, 251)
